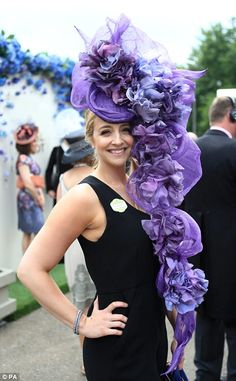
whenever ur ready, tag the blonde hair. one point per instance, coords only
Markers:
(89, 125)
(89, 128)
(133, 165)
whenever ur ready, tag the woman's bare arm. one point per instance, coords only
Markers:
(68, 219)
(73, 215)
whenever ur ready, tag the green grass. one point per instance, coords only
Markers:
(24, 299)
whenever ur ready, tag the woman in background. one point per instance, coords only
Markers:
(54, 170)
(30, 197)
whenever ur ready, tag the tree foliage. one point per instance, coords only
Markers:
(216, 53)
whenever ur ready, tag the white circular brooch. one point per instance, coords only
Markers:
(118, 205)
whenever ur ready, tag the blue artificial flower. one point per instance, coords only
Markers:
(10, 105)
(38, 84)
(3, 81)
(15, 61)
(29, 81)
(15, 80)
(3, 134)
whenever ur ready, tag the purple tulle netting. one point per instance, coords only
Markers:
(124, 76)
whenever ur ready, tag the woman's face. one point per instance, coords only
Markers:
(34, 147)
(112, 142)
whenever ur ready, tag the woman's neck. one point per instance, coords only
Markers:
(116, 178)
(110, 175)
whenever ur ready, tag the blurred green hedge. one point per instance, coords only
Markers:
(24, 299)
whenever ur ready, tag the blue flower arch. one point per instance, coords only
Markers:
(35, 71)
(16, 65)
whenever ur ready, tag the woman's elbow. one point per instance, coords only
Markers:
(21, 272)
(24, 271)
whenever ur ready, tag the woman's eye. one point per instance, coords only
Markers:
(127, 130)
(105, 132)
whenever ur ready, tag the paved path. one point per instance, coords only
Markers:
(40, 348)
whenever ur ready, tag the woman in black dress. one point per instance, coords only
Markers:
(125, 333)
(121, 221)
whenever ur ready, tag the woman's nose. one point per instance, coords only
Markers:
(117, 138)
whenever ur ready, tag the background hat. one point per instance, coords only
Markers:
(77, 151)
(68, 121)
(25, 134)
(75, 134)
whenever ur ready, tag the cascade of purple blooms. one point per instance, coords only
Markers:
(168, 167)
(119, 80)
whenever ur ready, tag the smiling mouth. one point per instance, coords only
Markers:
(117, 152)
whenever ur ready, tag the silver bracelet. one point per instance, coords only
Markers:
(77, 321)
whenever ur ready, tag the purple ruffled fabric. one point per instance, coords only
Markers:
(125, 76)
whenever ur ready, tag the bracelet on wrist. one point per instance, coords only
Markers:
(77, 321)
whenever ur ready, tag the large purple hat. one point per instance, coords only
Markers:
(124, 76)
(107, 71)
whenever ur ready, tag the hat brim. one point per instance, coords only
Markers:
(104, 107)
(76, 152)
(74, 135)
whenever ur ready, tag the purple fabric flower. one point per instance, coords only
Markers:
(110, 68)
(181, 286)
(188, 153)
(155, 140)
(158, 93)
(174, 233)
(158, 185)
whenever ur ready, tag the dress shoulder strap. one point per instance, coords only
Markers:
(103, 191)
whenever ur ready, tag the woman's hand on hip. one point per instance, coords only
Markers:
(103, 322)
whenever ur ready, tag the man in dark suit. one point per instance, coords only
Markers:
(212, 203)
(54, 169)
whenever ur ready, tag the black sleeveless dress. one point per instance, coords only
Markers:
(123, 268)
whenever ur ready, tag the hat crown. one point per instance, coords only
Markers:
(77, 151)
(25, 133)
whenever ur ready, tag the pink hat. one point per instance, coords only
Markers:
(26, 133)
